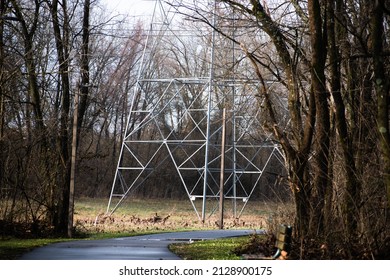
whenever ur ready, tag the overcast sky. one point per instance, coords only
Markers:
(131, 7)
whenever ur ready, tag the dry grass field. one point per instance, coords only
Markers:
(138, 215)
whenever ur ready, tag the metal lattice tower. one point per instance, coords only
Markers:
(177, 121)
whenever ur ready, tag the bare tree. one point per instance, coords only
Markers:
(382, 86)
(41, 41)
(323, 40)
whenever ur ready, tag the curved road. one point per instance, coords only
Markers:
(145, 247)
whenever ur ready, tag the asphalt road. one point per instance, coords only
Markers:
(145, 247)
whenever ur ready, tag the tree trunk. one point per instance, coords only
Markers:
(62, 47)
(301, 187)
(318, 81)
(353, 185)
(382, 88)
(84, 67)
(2, 82)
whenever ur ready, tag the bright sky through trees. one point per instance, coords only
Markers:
(131, 7)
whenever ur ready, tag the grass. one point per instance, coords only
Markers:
(226, 248)
(220, 249)
(139, 215)
(12, 248)
(136, 216)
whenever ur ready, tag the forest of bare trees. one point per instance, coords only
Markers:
(330, 59)
(52, 51)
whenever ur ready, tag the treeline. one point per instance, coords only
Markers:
(332, 61)
(51, 51)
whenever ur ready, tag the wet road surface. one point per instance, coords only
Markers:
(145, 247)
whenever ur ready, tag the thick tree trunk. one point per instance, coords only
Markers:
(382, 86)
(2, 106)
(301, 186)
(318, 81)
(84, 67)
(353, 185)
(62, 45)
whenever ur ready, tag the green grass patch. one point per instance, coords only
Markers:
(219, 249)
(13, 248)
